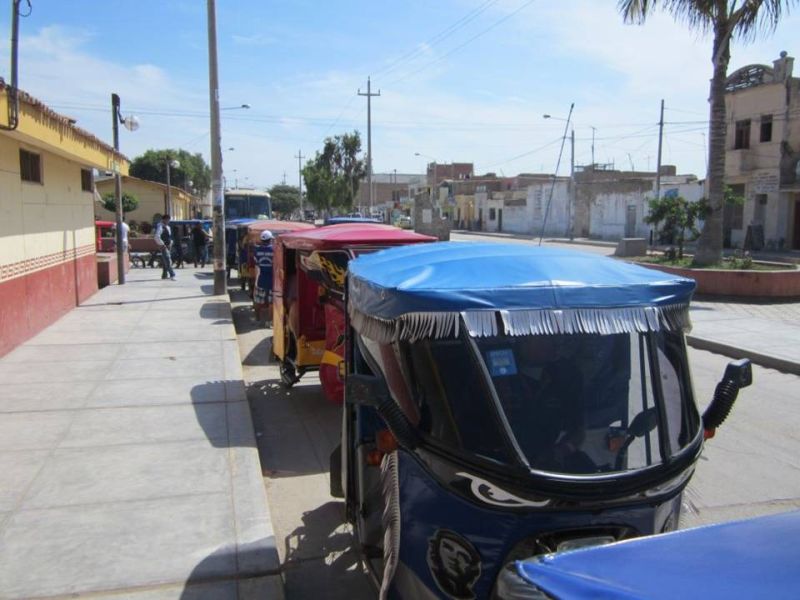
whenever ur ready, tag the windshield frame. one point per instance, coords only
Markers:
(667, 467)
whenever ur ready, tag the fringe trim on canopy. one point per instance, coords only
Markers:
(484, 323)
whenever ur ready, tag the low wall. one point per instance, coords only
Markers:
(35, 293)
(782, 283)
(107, 268)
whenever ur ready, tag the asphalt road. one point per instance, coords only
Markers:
(748, 469)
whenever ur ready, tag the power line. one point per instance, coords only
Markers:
(436, 39)
(469, 41)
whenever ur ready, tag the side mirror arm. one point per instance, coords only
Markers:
(738, 374)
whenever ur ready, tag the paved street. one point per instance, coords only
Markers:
(127, 460)
(296, 431)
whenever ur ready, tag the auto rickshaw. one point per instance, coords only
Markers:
(247, 270)
(507, 401)
(235, 232)
(104, 236)
(308, 296)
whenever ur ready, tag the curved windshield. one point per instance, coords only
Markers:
(574, 404)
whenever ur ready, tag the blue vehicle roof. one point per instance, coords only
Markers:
(238, 222)
(459, 276)
(754, 558)
(336, 220)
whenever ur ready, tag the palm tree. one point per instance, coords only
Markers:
(726, 19)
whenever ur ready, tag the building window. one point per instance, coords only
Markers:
(742, 140)
(766, 128)
(87, 180)
(30, 166)
(492, 214)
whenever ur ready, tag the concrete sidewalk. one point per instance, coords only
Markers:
(128, 465)
(768, 334)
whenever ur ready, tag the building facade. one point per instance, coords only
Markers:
(762, 153)
(153, 200)
(47, 236)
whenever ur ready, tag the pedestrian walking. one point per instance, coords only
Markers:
(163, 238)
(125, 231)
(200, 245)
(262, 296)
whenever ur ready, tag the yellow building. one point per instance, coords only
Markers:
(153, 200)
(47, 234)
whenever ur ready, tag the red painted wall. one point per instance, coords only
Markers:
(31, 302)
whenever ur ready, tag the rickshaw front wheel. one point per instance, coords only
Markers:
(288, 374)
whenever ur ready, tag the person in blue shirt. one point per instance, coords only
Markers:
(262, 296)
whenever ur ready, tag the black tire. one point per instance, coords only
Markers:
(288, 374)
(337, 490)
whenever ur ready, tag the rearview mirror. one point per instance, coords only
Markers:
(740, 372)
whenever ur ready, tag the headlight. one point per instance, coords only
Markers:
(585, 542)
(510, 586)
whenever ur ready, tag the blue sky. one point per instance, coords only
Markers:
(460, 80)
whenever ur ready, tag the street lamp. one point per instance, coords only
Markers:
(131, 123)
(175, 164)
(241, 106)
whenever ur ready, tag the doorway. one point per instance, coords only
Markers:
(499, 219)
(796, 231)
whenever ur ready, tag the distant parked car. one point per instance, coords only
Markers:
(403, 221)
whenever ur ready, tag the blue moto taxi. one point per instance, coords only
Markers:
(506, 401)
(752, 558)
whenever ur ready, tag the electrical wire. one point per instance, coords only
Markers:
(460, 46)
(436, 39)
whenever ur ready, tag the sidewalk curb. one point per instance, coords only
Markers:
(526, 236)
(257, 555)
(765, 360)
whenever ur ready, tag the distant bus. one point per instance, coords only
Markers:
(247, 204)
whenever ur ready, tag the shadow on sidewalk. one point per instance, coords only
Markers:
(321, 561)
(223, 413)
(229, 574)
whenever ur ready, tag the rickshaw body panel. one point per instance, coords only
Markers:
(489, 534)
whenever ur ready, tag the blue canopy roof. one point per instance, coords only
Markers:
(457, 276)
(756, 558)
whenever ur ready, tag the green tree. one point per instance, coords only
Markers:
(673, 216)
(129, 202)
(193, 174)
(285, 199)
(726, 20)
(332, 177)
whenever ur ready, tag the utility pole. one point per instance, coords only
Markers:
(572, 190)
(216, 154)
(594, 129)
(658, 163)
(300, 158)
(168, 201)
(284, 178)
(369, 96)
(117, 190)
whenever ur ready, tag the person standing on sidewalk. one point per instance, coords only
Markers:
(163, 238)
(262, 296)
(200, 243)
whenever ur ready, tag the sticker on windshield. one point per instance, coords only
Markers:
(501, 362)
